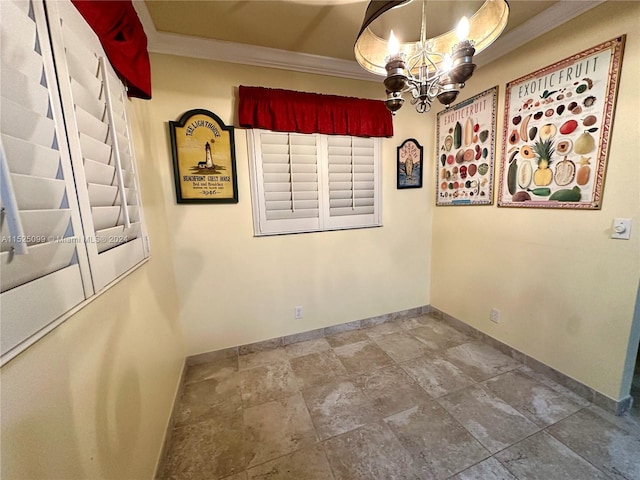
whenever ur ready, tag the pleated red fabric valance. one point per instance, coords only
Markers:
(122, 36)
(289, 111)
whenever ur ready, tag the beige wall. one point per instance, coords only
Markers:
(566, 291)
(92, 399)
(235, 288)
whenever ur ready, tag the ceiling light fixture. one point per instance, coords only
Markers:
(429, 68)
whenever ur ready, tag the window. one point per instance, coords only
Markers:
(313, 182)
(71, 220)
(100, 144)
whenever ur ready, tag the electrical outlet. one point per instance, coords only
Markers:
(298, 313)
(495, 315)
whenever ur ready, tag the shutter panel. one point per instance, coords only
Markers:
(353, 182)
(308, 183)
(286, 170)
(41, 252)
(101, 150)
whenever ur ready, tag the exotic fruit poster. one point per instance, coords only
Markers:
(465, 151)
(203, 159)
(557, 127)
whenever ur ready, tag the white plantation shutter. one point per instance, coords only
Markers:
(94, 100)
(288, 181)
(71, 219)
(42, 255)
(352, 181)
(305, 183)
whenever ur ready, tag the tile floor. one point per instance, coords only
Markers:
(409, 399)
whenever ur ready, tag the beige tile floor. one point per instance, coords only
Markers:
(410, 399)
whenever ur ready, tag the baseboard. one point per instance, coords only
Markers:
(618, 407)
(614, 406)
(303, 336)
(171, 423)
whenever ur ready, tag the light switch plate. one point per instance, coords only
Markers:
(621, 228)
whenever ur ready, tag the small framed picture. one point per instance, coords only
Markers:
(465, 151)
(204, 158)
(410, 164)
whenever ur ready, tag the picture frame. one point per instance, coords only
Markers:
(465, 151)
(204, 159)
(409, 167)
(557, 128)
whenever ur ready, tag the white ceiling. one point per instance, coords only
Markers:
(317, 36)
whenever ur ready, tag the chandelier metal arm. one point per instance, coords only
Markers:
(425, 87)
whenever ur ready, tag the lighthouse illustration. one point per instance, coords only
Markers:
(207, 155)
(207, 162)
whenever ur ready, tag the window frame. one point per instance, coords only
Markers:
(265, 227)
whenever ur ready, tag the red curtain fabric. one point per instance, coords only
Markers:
(121, 34)
(289, 111)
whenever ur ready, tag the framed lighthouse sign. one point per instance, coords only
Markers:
(204, 158)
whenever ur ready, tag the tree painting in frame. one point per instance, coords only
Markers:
(204, 158)
(465, 151)
(409, 168)
(557, 131)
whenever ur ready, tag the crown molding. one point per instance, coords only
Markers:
(209, 49)
(257, 56)
(554, 16)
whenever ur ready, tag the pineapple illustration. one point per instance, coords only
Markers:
(543, 150)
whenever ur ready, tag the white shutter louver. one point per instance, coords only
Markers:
(351, 164)
(313, 182)
(353, 183)
(287, 165)
(41, 253)
(101, 151)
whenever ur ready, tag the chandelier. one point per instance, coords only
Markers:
(429, 68)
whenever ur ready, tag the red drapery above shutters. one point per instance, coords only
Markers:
(121, 34)
(289, 111)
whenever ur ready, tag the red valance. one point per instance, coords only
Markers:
(121, 34)
(289, 111)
